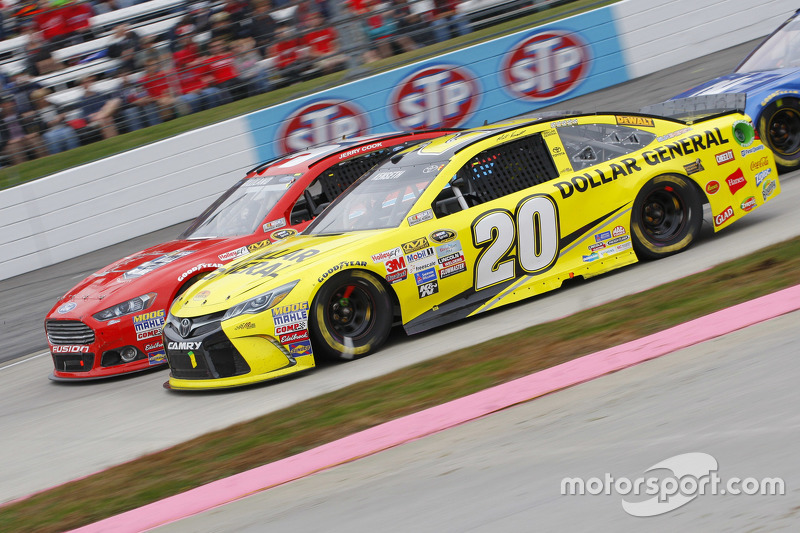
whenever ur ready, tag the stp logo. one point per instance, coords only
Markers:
(724, 216)
(321, 122)
(440, 96)
(545, 65)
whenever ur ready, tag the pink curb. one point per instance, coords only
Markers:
(456, 412)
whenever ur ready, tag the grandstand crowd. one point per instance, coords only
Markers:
(70, 81)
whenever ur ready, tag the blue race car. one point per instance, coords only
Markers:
(770, 77)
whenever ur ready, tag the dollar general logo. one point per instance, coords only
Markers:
(635, 121)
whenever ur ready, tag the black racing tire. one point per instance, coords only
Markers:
(666, 216)
(352, 316)
(779, 129)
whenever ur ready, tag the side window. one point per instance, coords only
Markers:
(310, 204)
(590, 144)
(497, 172)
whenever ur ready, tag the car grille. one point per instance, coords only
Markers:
(68, 332)
(225, 360)
(73, 362)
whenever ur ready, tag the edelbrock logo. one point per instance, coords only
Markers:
(545, 65)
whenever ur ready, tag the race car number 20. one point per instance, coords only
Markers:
(534, 231)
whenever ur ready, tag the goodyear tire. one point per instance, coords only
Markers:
(779, 128)
(352, 316)
(666, 217)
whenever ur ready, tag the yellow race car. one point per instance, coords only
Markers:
(463, 224)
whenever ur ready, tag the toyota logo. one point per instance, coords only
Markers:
(186, 327)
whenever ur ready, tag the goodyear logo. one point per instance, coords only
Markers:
(291, 308)
(634, 121)
(148, 316)
(415, 245)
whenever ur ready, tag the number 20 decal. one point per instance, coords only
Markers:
(535, 230)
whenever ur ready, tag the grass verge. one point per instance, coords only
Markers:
(37, 168)
(363, 405)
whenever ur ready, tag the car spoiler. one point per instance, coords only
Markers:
(696, 108)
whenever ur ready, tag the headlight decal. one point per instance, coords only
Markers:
(134, 305)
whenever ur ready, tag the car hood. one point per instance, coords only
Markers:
(302, 257)
(750, 82)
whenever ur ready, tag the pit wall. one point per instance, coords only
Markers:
(124, 196)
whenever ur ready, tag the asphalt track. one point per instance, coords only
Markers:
(59, 432)
(503, 472)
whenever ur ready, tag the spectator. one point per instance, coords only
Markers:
(58, 135)
(447, 22)
(221, 26)
(186, 53)
(322, 45)
(252, 72)
(194, 81)
(79, 28)
(239, 13)
(123, 46)
(52, 23)
(99, 109)
(147, 50)
(21, 87)
(288, 56)
(223, 71)
(19, 135)
(380, 28)
(38, 57)
(262, 25)
(412, 23)
(139, 110)
(157, 84)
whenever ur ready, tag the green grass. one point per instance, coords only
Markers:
(31, 170)
(337, 414)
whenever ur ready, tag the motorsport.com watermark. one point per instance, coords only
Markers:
(693, 474)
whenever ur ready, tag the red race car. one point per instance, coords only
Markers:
(110, 323)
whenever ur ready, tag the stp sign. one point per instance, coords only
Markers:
(439, 96)
(545, 65)
(321, 122)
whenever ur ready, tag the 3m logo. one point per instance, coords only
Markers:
(724, 216)
(736, 181)
(428, 289)
(439, 96)
(413, 246)
(725, 157)
(545, 65)
(321, 122)
(635, 121)
(393, 265)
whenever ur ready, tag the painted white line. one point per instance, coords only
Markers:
(30, 358)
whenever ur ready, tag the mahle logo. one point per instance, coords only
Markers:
(546, 65)
(321, 122)
(438, 96)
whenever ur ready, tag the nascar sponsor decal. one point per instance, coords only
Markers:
(672, 135)
(617, 231)
(153, 346)
(202, 295)
(437, 96)
(428, 289)
(545, 65)
(635, 121)
(693, 168)
(724, 157)
(456, 268)
(268, 263)
(244, 325)
(415, 245)
(400, 275)
(289, 314)
(419, 255)
(564, 123)
(754, 149)
(361, 150)
(301, 348)
(159, 357)
(442, 235)
(233, 254)
(761, 175)
(749, 204)
(388, 254)
(297, 336)
(425, 276)
(597, 246)
(776, 94)
(419, 266)
(619, 248)
(66, 308)
(258, 245)
(65, 348)
(769, 188)
(341, 266)
(594, 256)
(197, 268)
(743, 133)
(148, 325)
(736, 181)
(282, 234)
(321, 122)
(721, 218)
(712, 187)
(617, 240)
(281, 222)
(602, 236)
(153, 264)
(420, 217)
(386, 175)
(449, 248)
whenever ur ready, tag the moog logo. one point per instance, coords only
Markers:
(545, 65)
(321, 122)
(440, 96)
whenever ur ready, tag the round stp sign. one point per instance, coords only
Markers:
(321, 122)
(545, 65)
(439, 96)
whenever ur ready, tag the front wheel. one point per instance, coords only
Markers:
(352, 316)
(779, 128)
(666, 217)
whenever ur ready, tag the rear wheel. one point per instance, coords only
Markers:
(779, 128)
(666, 218)
(352, 316)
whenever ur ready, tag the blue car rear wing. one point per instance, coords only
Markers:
(697, 108)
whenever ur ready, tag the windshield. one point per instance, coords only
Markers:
(780, 50)
(241, 209)
(381, 198)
